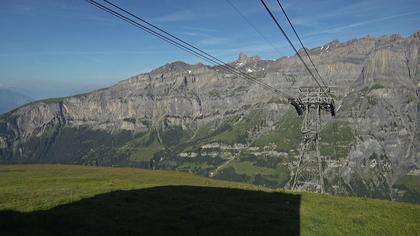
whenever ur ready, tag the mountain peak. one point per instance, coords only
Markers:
(416, 34)
(242, 57)
(173, 67)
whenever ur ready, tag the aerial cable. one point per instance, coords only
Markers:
(187, 47)
(158, 35)
(252, 25)
(291, 44)
(300, 41)
(143, 28)
(139, 26)
(218, 61)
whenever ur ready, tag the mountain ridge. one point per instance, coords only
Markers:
(200, 119)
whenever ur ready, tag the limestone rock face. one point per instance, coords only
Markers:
(377, 95)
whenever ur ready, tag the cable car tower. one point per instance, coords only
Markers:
(308, 172)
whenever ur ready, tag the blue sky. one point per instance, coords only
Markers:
(59, 47)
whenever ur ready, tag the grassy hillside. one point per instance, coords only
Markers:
(69, 200)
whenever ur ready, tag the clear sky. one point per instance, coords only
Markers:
(58, 47)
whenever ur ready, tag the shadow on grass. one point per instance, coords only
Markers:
(167, 210)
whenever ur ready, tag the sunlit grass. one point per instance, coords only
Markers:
(28, 188)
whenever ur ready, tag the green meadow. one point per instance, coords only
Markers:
(82, 200)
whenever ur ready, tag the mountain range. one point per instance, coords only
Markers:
(204, 120)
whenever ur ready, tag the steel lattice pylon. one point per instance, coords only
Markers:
(308, 173)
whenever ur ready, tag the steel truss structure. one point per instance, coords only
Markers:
(308, 172)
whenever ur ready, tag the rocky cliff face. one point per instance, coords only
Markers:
(204, 120)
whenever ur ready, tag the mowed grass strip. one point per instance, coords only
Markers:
(90, 197)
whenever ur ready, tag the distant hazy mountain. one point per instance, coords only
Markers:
(10, 99)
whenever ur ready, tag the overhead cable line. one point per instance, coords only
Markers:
(179, 45)
(178, 42)
(252, 25)
(300, 41)
(294, 48)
